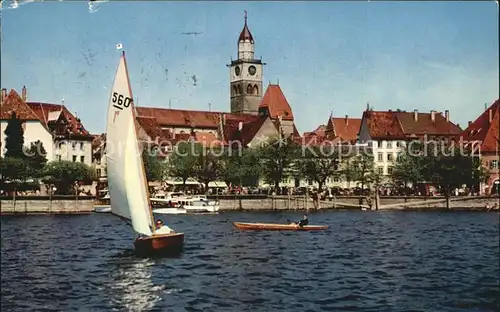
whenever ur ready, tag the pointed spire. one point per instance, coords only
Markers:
(245, 33)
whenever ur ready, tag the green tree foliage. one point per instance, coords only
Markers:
(182, 161)
(14, 138)
(64, 174)
(35, 158)
(318, 163)
(240, 167)
(277, 158)
(443, 164)
(153, 165)
(208, 163)
(13, 169)
(361, 168)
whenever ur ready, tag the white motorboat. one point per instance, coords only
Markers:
(170, 211)
(195, 205)
(103, 204)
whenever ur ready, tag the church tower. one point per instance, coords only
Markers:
(245, 76)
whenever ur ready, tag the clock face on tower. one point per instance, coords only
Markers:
(252, 70)
(237, 70)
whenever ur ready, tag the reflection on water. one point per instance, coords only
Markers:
(130, 286)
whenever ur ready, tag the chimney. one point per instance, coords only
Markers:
(469, 123)
(490, 117)
(447, 115)
(433, 115)
(415, 115)
(4, 95)
(240, 125)
(346, 120)
(24, 94)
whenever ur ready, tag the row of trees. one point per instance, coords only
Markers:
(273, 162)
(29, 162)
(279, 159)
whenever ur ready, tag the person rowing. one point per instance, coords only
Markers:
(301, 223)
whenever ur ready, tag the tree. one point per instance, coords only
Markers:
(182, 161)
(318, 164)
(277, 157)
(409, 166)
(208, 163)
(64, 174)
(14, 138)
(240, 166)
(13, 169)
(154, 167)
(35, 158)
(362, 169)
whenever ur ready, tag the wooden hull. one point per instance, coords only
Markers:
(160, 244)
(278, 227)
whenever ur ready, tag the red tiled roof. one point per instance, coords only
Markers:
(425, 125)
(275, 102)
(46, 110)
(14, 103)
(150, 126)
(346, 129)
(485, 131)
(400, 125)
(319, 131)
(182, 118)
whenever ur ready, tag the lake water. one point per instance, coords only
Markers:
(366, 261)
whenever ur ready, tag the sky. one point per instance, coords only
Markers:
(327, 56)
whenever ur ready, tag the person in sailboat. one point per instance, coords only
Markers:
(161, 228)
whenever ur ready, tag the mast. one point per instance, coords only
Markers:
(145, 180)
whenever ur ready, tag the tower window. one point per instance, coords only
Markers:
(240, 89)
(235, 90)
(255, 89)
(249, 89)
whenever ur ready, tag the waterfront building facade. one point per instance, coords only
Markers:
(387, 133)
(63, 135)
(485, 130)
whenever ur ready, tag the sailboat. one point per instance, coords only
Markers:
(127, 183)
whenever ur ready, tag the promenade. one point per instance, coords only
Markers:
(85, 204)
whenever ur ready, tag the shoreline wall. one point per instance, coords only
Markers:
(85, 204)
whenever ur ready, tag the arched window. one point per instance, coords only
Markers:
(255, 89)
(235, 90)
(249, 89)
(240, 89)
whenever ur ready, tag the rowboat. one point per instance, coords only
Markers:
(278, 227)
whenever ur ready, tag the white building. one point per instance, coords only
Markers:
(61, 133)
(388, 132)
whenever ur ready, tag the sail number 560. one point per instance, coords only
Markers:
(121, 100)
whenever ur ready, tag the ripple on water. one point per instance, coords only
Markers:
(383, 261)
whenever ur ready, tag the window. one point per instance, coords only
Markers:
(74, 158)
(82, 159)
(82, 146)
(389, 144)
(98, 171)
(380, 157)
(389, 157)
(310, 182)
(73, 145)
(494, 164)
(380, 170)
(370, 144)
(335, 179)
(389, 170)
(58, 157)
(398, 157)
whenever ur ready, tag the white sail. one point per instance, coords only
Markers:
(126, 179)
